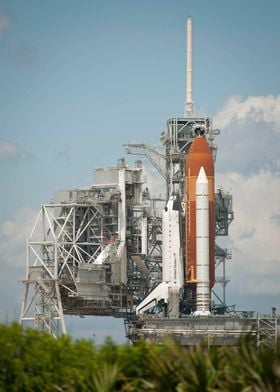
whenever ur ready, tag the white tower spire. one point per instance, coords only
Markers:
(189, 105)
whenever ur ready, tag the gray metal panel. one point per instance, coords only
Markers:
(92, 291)
(105, 176)
(91, 273)
(66, 195)
(140, 264)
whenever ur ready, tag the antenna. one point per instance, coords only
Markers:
(189, 104)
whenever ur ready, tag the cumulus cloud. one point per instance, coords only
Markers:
(250, 134)
(5, 22)
(248, 166)
(9, 150)
(260, 109)
(254, 233)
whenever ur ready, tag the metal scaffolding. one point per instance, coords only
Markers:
(65, 236)
(94, 251)
(217, 330)
(268, 330)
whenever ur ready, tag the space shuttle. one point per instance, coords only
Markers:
(170, 290)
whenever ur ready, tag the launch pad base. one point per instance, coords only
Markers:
(211, 331)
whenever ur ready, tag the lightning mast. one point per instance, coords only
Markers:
(189, 104)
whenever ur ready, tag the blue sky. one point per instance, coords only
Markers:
(79, 78)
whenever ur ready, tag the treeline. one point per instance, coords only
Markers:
(34, 361)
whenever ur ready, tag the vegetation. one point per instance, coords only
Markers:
(34, 361)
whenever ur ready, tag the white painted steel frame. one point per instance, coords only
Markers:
(54, 249)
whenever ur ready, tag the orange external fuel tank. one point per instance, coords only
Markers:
(199, 155)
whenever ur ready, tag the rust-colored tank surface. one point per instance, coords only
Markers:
(199, 155)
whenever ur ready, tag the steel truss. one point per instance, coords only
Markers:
(268, 330)
(64, 236)
(144, 251)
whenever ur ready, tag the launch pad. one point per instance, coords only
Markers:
(112, 249)
(210, 331)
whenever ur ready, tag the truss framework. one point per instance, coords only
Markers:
(64, 236)
(97, 251)
(268, 331)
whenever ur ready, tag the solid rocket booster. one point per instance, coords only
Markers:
(198, 156)
(202, 245)
(172, 261)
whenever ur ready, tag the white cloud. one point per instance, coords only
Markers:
(260, 109)
(254, 232)
(250, 134)
(255, 185)
(4, 22)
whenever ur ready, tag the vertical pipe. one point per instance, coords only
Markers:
(189, 105)
(224, 282)
(122, 224)
(144, 235)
